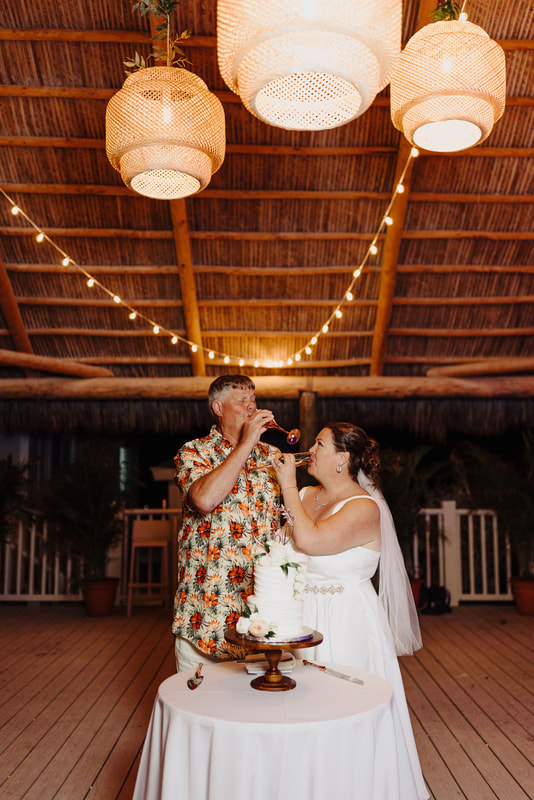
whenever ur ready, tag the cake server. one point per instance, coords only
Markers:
(334, 672)
(196, 680)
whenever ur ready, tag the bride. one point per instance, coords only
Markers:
(345, 527)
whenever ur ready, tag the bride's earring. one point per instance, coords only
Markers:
(338, 468)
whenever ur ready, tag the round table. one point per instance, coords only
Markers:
(225, 741)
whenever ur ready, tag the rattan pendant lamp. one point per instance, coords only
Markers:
(450, 86)
(308, 64)
(165, 131)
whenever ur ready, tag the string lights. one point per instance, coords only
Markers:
(161, 330)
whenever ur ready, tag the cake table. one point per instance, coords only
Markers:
(273, 680)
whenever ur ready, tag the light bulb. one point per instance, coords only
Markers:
(388, 220)
(373, 249)
(289, 362)
(297, 356)
(15, 210)
(400, 188)
(226, 359)
(256, 364)
(308, 350)
(414, 152)
(194, 348)
(66, 261)
(155, 329)
(174, 339)
(241, 362)
(132, 314)
(314, 340)
(325, 328)
(339, 313)
(40, 236)
(91, 282)
(357, 272)
(116, 299)
(349, 296)
(211, 354)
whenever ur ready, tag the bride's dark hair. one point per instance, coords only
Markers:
(363, 451)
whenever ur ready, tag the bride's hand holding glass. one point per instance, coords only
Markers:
(285, 469)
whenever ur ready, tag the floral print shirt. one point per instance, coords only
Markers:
(214, 551)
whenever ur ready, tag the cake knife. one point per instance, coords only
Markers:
(334, 672)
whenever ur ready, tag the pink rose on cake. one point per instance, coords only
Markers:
(254, 625)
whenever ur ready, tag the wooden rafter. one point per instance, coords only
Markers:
(272, 150)
(271, 194)
(65, 366)
(394, 235)
(268, 236)
(280, 387)
(11, 312)
(187, 283)
(488, 366)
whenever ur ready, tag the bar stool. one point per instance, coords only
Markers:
(149, 534)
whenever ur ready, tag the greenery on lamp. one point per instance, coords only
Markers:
(446, 10)
(83, 502)
(13, 495)
(172, 53)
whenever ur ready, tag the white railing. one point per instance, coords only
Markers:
(30, 572)
(464, 551)
(456, 548)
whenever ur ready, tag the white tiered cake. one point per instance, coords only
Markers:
(275, 609)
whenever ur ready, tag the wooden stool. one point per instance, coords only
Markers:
(151, 534)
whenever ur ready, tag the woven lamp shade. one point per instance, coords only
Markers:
(449, 88)
(165, 133)
(304, 65)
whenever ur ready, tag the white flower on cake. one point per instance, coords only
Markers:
(252, 623)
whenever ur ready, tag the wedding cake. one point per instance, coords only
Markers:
(274, 611)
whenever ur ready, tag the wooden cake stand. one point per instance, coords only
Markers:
(272, 680)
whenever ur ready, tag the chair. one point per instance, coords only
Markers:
(151, 535)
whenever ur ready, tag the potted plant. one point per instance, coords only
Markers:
(82, 503)
(507, 487)
(13, 495)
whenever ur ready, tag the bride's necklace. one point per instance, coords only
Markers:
(319, 505)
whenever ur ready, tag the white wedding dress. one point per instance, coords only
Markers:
(341, 603)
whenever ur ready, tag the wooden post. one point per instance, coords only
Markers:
(307, 419)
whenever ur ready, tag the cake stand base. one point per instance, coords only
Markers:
(272, 679)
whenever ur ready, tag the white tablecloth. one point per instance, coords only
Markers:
(327, 739)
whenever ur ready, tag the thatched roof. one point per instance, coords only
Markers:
(253, 266)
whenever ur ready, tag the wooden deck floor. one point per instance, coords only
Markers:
(76, 695)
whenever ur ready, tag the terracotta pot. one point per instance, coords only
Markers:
(100, 597)
(523, 591)
(416, 584)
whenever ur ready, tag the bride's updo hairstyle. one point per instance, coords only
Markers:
(362, 450)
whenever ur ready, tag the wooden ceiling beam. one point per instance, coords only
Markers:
(428, 333)
(290, 271)
(263, 302)
(11, 313)
(106, 93)
(143, 37)
(275, 150)
(269, 194)
(489, 366)
(65, 366)
(188, 290)
(264, 236)
(390, 255)
(278, 387)
(394, 234)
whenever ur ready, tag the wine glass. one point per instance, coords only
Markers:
(292, 436)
